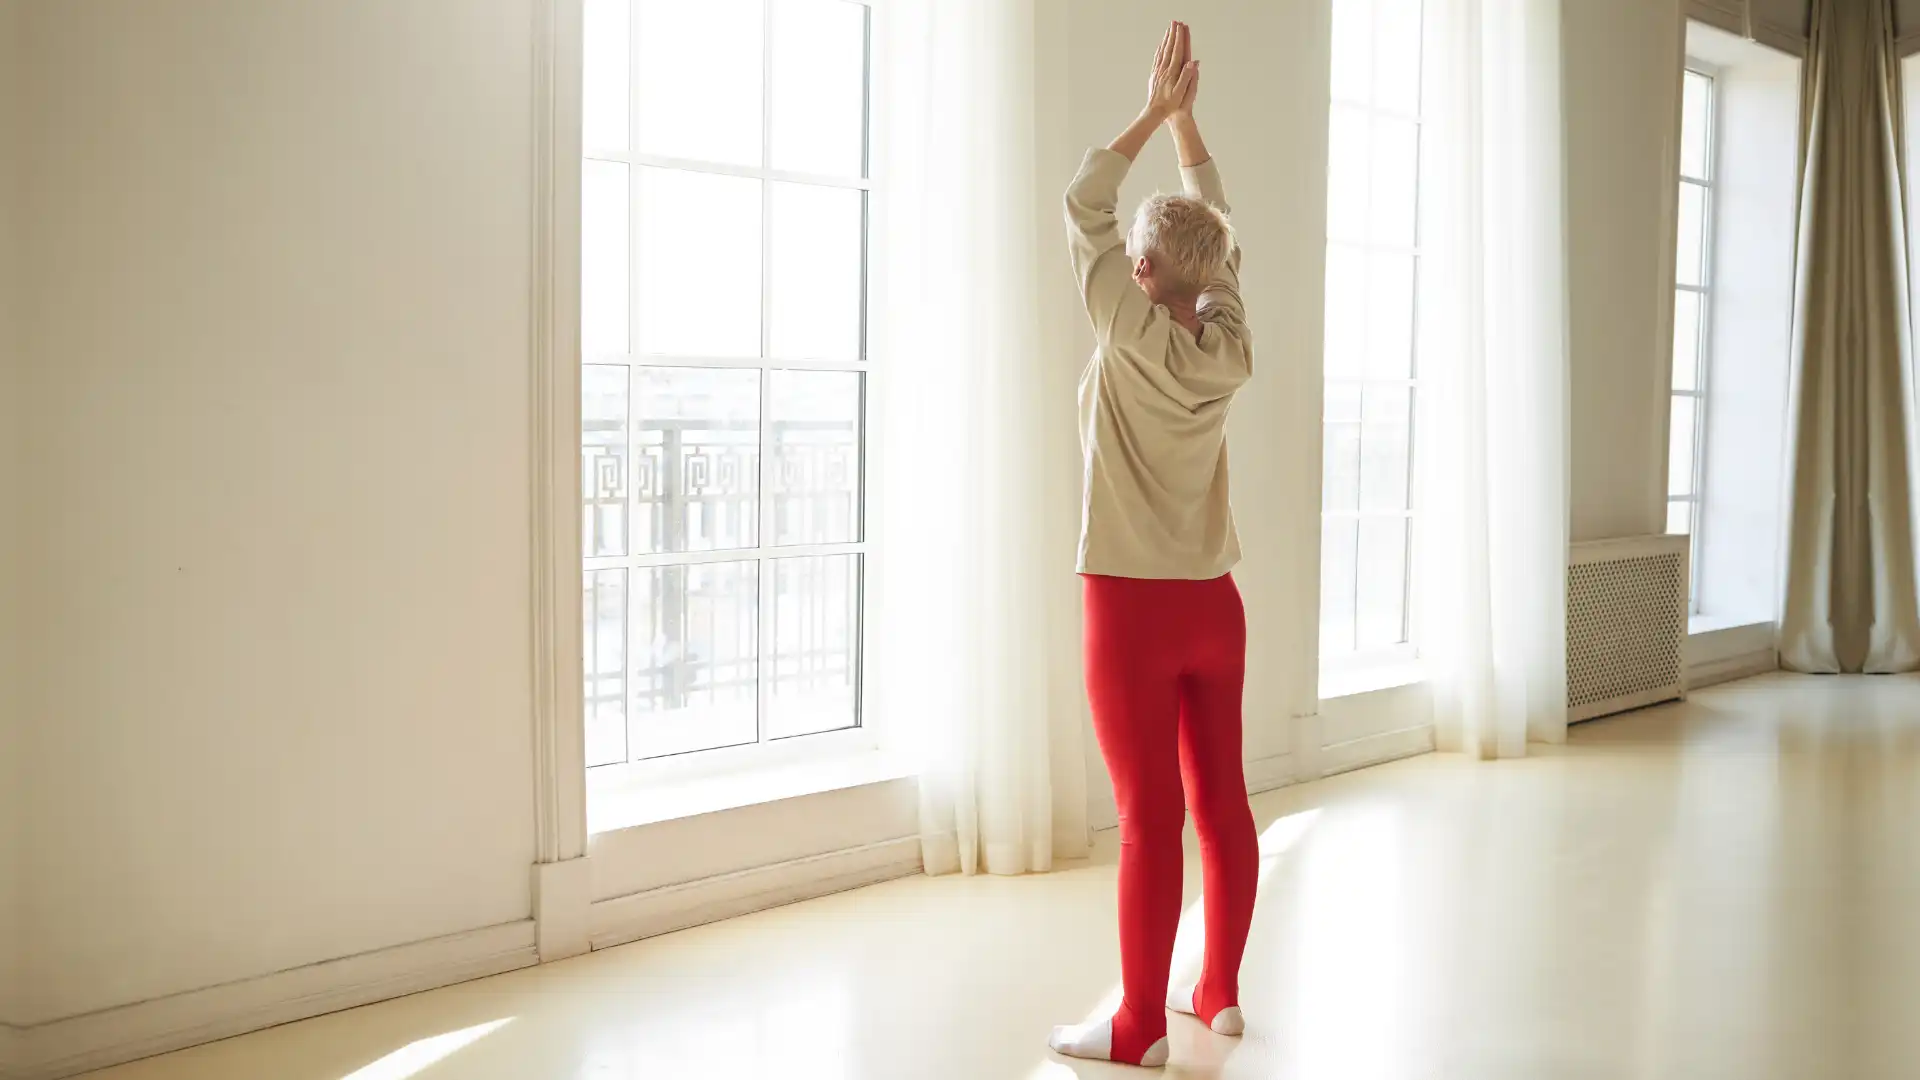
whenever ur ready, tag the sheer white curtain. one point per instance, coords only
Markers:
(970, 548)
(1493, 378)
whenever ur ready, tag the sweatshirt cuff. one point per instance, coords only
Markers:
(1202, 181)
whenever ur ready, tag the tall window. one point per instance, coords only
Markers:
(723, 323)
(1373, 263)
(1692, 309)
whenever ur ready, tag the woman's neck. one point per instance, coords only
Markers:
(1187, 314)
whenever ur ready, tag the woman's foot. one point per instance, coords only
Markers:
(1228, 1020)
(1094, 1042)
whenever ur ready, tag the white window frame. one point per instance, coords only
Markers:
(1406, 650)
(1696, 499)
(766, 753)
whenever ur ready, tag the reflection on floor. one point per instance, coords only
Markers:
(1727, 888)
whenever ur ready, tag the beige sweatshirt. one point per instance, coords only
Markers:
(1153, 399)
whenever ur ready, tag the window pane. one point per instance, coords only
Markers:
(1396, 74)
(819, 86)
(1382, 582)
(696, 657)
(1343, 401)
(1352, 40)
(1390, 316)
(818, 236)
(603, 604)
(1339, 544)
(1680, 447)
(699, 79)
(1385, 431)
(1690, 251)
(1348, 137)
(604, 92)
(1396, 174)
(816, 660)
(697, 458)
(1346, 330)
(603, 259)
(699, 264)
(1696, 132)
(1686, 341)
(603, 459)
(1340, 467)
(1680, 518)
(816, 457)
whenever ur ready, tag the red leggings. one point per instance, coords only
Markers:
(1165, 664)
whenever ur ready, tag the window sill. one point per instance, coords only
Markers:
(632, 801)
(1698, 625)
(1354, 681)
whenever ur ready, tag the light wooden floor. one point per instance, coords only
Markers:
(1729, 888)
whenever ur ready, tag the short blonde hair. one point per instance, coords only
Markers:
(1188, 239)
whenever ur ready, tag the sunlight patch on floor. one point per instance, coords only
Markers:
(424, 1053)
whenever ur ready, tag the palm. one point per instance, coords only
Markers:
(1171, 82)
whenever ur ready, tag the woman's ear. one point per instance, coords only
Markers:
(1141, 269)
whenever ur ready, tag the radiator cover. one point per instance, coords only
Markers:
(1627, 604)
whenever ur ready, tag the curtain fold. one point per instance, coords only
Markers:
(969, 549)
(1494, 411)
(1848, 601)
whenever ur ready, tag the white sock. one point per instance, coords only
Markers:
(1230, 1021)
(1094, 1042)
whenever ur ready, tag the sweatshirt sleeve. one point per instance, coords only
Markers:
(1220, 300)
(1114, 303)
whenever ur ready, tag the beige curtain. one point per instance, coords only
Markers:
(1849, 598)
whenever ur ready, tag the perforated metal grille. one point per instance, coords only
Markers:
(1626, 622)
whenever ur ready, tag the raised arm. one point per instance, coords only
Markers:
(1170, 84)
(1095, 242)
(1201, 179)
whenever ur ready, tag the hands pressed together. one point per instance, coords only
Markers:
(1172, 85)
(1175, 79)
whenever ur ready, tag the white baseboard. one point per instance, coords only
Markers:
(1269, 773)
(1376, 750)
(562, 900)
(1729, 668)
(676, 907)
(111, 1036)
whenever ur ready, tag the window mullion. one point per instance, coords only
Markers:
(630, 712)
(1703, 369)
(766, 575)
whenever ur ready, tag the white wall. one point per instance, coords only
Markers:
(1263, 110)
(12, 770)
(1621, 73)
(277, 624)
(635, 860)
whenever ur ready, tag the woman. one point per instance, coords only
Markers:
(1165, 631)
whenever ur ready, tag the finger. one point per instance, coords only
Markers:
(1160, 54)
(1185, 86)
